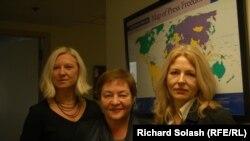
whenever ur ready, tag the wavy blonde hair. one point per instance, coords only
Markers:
(163, 105)
(46, 84)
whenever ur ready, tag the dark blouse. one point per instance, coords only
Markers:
(100, 131)
(43, 124)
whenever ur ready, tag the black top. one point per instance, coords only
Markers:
(100, 130)
(43, 124)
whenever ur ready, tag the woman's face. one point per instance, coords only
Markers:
(116, 100)
(65, 72)
(181, 80)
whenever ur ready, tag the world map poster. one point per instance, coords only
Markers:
(211, 25)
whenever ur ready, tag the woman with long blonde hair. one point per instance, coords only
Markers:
(186, 89)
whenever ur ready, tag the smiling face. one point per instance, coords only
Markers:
(181, 80)
(65, 72)
(116, 100)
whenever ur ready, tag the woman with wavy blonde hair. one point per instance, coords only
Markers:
(64, 107)
(186, 89)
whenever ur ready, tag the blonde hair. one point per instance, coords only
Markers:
(46, 84)
(163, 104)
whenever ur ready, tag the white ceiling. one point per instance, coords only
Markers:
(54, 12)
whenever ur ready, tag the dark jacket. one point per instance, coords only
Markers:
(100, 131)
(213, 116)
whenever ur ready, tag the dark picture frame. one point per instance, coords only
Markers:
(149, 28)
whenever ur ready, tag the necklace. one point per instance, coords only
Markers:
(70, 110)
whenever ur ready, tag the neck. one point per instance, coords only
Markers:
(65, 98)
(119, 128)
(177, 119)
(179, 104)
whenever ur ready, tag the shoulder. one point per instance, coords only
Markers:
(92, 110)
(219, 116)
(218, 112)
(37, 112)
(91, 130)
(40, 106)
(91, 104)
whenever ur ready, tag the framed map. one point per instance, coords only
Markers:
(215, 26)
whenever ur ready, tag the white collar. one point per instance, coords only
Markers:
(184, 110)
